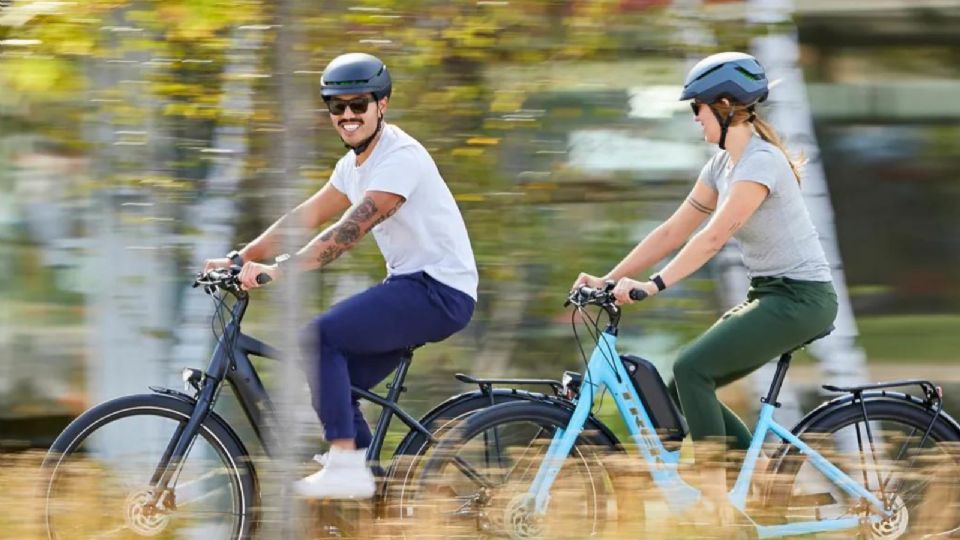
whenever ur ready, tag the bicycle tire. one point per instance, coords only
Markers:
(785, 494)
(408, 461)
(214, 431)
(587, 454)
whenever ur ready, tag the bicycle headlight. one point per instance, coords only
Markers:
(570, 382)
(191, 379)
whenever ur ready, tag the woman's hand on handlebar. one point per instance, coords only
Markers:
(623, 287)
(250, 271)
(593, 282)
(214, 264)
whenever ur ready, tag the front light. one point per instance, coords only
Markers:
(191, 379)
(570, 382)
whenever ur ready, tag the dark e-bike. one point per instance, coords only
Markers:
(166, 464)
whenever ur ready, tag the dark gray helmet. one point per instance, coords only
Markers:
(733, 75)
(355, 73)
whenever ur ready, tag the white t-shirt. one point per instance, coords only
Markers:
(427, 233)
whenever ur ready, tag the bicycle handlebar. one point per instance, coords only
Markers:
(584, 295)
(226, 279)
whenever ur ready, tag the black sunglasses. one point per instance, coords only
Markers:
(695, 105)
(358, 105)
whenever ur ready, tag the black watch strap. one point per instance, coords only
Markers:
(658, 281)
(235, 258)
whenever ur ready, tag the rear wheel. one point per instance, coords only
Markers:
(97, 476)
(399, 494)
(476, 480)
(917, 478)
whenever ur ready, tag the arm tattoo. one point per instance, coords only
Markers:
(364, 211)
(353, 227)
(330, 254)
(700, 207)
(735, 227)
(388, 214)
(347, 233)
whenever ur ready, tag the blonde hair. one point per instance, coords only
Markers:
(742, 114)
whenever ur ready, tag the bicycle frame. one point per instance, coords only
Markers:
(230, 362)
(605, 370)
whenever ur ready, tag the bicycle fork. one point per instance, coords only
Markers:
(171, 461)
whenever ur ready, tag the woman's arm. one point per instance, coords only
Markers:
(745, 197)
(670, 234)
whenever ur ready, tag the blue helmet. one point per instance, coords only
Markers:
(355, 73)
(733, 75)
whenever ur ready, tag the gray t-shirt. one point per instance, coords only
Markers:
(779, 239)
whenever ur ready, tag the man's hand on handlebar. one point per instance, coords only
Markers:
(254, 275)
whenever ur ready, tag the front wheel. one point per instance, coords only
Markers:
(97, 476)
(880, 444)
(476, 480)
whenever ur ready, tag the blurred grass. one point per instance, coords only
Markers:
(913, 338)
(19, 474)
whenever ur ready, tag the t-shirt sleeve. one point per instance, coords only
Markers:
(399, 173)
(761, 168)
(708, 174)
(336, 178)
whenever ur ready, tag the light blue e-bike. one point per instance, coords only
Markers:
(872, 463)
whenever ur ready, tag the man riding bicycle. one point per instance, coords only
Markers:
(392, 187)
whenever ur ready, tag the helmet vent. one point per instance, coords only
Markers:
(747, 74)
(342, 83)
(709, 71)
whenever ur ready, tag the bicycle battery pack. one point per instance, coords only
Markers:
(663, 412)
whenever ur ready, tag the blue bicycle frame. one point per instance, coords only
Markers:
(606, 370)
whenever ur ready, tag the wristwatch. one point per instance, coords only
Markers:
(235, 258)
(658, 281)
(281, 259)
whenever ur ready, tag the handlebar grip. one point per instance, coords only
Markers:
(264, 278)
(638, 294)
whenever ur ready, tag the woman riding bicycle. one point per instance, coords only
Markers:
(749, 190)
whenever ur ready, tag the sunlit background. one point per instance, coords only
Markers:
(139, 137)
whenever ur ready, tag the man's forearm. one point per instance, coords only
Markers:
(327, 246)
(339, 238)
(268, 244)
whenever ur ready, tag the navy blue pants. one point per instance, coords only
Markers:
(361, 340)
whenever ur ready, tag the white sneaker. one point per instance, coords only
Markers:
(344, 476)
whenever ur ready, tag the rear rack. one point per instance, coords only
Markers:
(930, 391)
(487, 384)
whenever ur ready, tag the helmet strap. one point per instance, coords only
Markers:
(724, 125)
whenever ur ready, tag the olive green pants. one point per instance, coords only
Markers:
(779, 314)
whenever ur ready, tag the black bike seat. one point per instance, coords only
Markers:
(821, 335)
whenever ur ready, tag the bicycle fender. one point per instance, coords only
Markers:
(827, 408)
(442, 409)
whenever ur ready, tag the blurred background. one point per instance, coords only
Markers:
(139, 137)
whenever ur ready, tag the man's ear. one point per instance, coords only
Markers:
(384, 103)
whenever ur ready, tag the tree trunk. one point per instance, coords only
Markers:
(130, 310)
(840, 360)
(215, 215)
